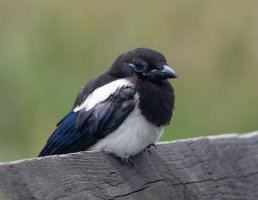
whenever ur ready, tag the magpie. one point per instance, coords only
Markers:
(123, 111)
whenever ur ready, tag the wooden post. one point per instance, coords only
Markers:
(208, 168)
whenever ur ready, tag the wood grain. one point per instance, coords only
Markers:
(207, 168)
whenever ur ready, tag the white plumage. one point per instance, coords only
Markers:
(133, 135)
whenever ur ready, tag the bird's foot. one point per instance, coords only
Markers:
(151, 145)
(127, 160)
(148, 148)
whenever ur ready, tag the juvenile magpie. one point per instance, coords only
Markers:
(123, 111)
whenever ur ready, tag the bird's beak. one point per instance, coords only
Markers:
(163, 73)
(168, 72)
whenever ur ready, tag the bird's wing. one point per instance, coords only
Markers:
(80, 130)
(85, 91)
(90, 86)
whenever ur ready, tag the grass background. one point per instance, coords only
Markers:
(48, 49)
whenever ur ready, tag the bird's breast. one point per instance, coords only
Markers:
(156, 101)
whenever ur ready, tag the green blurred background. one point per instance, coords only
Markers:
(48, 49)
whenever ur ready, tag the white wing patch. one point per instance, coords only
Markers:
(101, 94)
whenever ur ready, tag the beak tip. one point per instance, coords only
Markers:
(176, 75)
(171, 72)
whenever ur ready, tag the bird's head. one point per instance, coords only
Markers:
(145, 63)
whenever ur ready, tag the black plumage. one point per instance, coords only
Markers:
(156, 101)
(149, 90)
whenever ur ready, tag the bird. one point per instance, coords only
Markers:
(122, 111)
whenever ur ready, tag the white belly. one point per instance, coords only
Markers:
(134, 134)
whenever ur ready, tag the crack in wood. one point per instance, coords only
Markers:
(129, 193)
(156, 181)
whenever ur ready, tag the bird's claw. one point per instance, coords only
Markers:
(127, 160)
(151, 145)
(148, 148)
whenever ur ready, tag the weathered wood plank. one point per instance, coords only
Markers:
(219, 167)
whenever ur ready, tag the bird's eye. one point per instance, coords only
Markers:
(139, 66)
